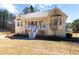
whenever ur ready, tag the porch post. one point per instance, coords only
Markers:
(45, 33)
(37, 23)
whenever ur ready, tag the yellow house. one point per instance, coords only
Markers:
(42, 23)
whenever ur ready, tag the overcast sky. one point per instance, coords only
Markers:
(72, 10)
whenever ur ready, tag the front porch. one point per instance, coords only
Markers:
(33, 27)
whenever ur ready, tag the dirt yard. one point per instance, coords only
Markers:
(34, 47)
(75, 35)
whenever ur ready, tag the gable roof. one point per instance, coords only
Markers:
(54, 11)
(57, 11)
(35, 15)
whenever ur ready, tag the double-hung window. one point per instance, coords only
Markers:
(17, 23)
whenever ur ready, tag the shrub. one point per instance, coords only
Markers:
(20, 35)
(68, 35)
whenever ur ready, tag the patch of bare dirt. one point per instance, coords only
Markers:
(37, 47)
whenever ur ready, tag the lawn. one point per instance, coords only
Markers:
(34, 47)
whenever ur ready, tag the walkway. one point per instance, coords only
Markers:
(3, 34)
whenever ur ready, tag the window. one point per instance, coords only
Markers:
(60, 22)
(25, 22)
(55, 22)
(21, 23)
(36, 23)
(17, 23)
(32, 23)
(18, 19)
(28, 23)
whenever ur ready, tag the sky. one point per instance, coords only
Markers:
(71, 10)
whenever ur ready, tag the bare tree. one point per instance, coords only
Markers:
(54, 23)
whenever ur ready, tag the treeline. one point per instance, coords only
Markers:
(7, 19)
(74, 25)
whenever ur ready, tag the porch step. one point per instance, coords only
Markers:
(34, 32)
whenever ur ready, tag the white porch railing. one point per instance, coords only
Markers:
(40, 27)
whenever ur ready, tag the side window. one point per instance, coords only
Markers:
(17, 23)
(60, 22)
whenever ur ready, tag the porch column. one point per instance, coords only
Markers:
(29, 23)
(45, 33)
(26, 24)
(46, 24)
(37, 23)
